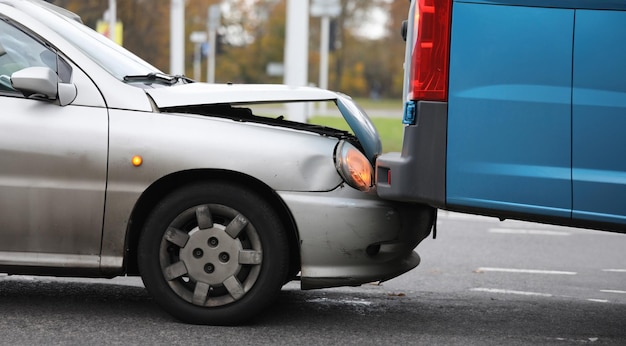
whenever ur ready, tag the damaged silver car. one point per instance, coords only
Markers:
(109, 167)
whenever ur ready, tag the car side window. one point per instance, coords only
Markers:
(19, 50)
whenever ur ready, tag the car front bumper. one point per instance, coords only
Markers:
(348, 237)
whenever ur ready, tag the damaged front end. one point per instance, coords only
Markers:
(347, 235)
(264, 104)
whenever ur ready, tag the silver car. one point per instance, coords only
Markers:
(110, 167)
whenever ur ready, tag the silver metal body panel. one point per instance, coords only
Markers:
(50, 260)
(172, 143)
(337, 227)
(203, 93)
(52, 178)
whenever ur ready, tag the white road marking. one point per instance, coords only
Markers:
(525, 271)
(503, 291)
(614, 270)
(527, 293)
(528, 231)
(613, 291)
(577, 341)
(340, 301)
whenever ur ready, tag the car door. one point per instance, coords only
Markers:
(53, 163)
(599, 116)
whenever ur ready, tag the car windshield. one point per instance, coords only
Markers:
(113, 58)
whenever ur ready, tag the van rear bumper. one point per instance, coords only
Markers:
(418, 174)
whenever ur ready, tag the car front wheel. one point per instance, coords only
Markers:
(213, 253)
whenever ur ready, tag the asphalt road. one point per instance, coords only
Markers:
(482, 282)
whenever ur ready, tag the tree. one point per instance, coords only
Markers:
(257, 41)
(362, 65)
(353, 13)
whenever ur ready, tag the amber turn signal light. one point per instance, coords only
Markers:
(137, 160)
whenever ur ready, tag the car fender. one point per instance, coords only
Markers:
(283, 159)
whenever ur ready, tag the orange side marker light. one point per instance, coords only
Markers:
(137, 160)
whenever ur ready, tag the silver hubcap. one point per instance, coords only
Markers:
(211, 255)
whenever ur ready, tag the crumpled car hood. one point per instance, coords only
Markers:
(205, 94)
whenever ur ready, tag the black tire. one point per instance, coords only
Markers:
(213, 253)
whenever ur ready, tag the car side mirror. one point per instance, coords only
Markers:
(41, 83)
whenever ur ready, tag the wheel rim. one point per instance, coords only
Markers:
(211, 255)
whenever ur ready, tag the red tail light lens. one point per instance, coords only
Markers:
(430, 59)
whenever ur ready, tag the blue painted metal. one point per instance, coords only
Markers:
(509, 110)
(566, 4)
(599, 116)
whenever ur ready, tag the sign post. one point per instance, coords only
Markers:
(112, 19)
(177, 37)
(296, 53)
(197, 38)
(213, 23)
(324, 9)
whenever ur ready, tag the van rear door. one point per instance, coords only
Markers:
(509, 109)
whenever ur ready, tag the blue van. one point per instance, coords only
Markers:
(515, 109)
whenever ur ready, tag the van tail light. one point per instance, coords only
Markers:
(431, 51)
